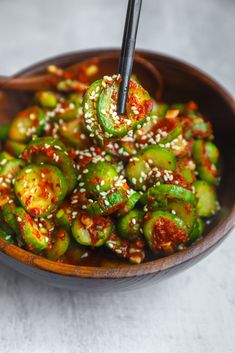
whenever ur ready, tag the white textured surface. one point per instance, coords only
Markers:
(192, 312)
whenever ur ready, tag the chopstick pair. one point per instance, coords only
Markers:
(127, 51)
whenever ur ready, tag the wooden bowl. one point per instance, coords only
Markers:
(182, 82)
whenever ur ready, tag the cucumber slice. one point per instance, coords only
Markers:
(161, 109)
(212, 152)
(71, 132)
(150, 157)
(207, 170)
(59, 245)
(4, 131)
(165, 192)
(197, 231)
(129, 225)
(132, 200)
(207, 199)
(14, 148)
(8, 237)
(187, 173)
(105, 205)
(40, 189)
(26, 124)
(64, 110)
(63, 217)
(75, 254)
(91, 231)
(51, 151)
(131, 250)
(209, 173)
(31, 234)
(173, 134)
(201, 128)
(90, 102)
(138, 106)
(100, 177)
(4, 157)
(10, 170)
(185, 211)
(46, 99)
(164, 232)
(10, 217)
(76, 98)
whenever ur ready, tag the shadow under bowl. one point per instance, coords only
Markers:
(181, 82)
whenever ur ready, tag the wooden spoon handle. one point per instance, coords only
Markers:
(32, 83)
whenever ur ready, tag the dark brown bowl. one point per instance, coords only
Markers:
(182, 82)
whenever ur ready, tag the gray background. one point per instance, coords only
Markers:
(192, 312)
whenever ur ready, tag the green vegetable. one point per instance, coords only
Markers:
(9, 217)
(113, 201)
(59, 246)
(10, 170)
(71, 132)
(90, 102)
(165, 192)
(40, 189)
(14, 148)
(130, 204)
(51, 151)
(46, 99)
(183, 210)
(197, 231)
(119, 125)
(6, 236)
(4, 131)
(99, 177)
(26, 124)
(164, 231)
(212, 152)
(30, 232)
(129, 225)
(150, 157)
(91, 231)
(207, 200)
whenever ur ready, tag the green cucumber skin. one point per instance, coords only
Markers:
(22, 124)
(207, 199)
(92, 125)
(10, 217)
(10, 170)
(149, 157)
(34, 177)
(127, 228)
(14, 148)
(154, 217)
(44, 150)
(131, 202)
(6, 236)
(116, 200)
(163, 192)
(184, 210)
(60, 246)
(83, 235)
(47, 99)
(197, 231)
(106, 120)
(30, 233)
(204, 154)
(4, 129)
(102, 174)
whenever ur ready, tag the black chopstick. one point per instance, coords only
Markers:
(127, 51)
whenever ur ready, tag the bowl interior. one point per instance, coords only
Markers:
(181, 83)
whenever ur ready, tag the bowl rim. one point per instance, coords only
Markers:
(195, 251)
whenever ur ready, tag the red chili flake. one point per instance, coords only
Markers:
(166, 234)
